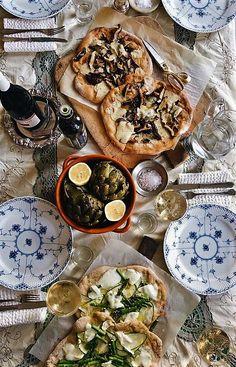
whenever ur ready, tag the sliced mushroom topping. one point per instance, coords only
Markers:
(122, 51)
(141, 97)
(172, 133)
(100, 62)
(91, 61)
(176, 110)
(100, 70)
(133, 103)
(155, 131)
(117, 33)
(111, 57)
(114, 47)
(93, 78)
(108, 82)
(147, 129)
(103, 51)
(161, 95)
(80, 54)
(163, 103)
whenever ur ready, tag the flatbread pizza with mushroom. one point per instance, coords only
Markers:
(125, 293)
(145, 116)
(104, 58)
(98, 341)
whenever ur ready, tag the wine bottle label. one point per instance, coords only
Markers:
(30, 122)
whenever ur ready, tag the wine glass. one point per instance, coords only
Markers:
(85, 10)
(63, 298)
(215, 136)
(147, 222)
(214, 345)
(81, 258)
(170, 205)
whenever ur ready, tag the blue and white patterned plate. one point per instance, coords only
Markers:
(200, 249)
(201, 15)
(35, 243)
(34, 9)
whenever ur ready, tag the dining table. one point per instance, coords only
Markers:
(28, 171)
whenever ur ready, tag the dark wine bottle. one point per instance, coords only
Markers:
(20, 105)
(72, 127)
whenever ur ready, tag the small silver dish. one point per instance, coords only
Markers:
(144, 7)
(146, 167)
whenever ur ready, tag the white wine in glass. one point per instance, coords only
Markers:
(170, 205)
(63, 298)
(214, 344)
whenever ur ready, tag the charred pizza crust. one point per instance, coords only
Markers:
(153, 343)
(152, 311)
(145, 116)
(103, 59)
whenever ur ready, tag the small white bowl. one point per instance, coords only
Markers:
(144, 6)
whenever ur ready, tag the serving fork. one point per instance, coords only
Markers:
(23, 298)
(48, 32)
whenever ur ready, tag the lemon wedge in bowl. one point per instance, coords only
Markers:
(80, 174)
(115, 210)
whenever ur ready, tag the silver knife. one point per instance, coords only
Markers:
(32, 39)
(23, 306)
(183, 187)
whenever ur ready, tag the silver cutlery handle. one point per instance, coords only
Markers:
(9, 300)
(191, 195)
(32, 39)
(23, 306)
(15, 31)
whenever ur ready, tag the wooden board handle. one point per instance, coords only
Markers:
(125, 228)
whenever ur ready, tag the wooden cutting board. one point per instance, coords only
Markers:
(95, 126)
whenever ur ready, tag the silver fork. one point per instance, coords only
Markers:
(190, 195)
(23, 298)
(48, 32)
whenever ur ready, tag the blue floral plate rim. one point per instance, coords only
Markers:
(185, 23)
(48, 8)
(229, 218)
(34, 237)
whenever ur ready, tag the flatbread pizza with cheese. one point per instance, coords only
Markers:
(125, 293)
(104, 58)
(98, 341)
(145, 116)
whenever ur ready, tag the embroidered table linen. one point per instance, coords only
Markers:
(19, 176)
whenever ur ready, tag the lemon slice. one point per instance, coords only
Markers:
(80, 174)
(115, 210)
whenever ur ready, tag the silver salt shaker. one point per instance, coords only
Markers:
(121, 5)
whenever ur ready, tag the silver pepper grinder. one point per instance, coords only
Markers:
(121, 5)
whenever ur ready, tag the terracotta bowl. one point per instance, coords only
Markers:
(120, 226)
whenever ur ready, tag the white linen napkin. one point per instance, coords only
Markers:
(24, 46)
(207, 177)
(15, 317)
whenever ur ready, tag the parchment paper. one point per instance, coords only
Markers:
(181, 302)
(178, 57)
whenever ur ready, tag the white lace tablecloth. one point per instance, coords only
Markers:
(19, 175)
